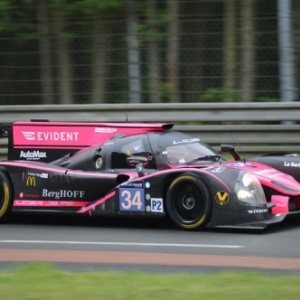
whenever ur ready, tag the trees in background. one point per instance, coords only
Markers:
(296, 28)
(230, 46)
(247, 51)
(91, 51)
(243, 68)
(62, 53)
(152, 40)
(62, 36)
(45, 52)
(173, 49)
(133, 53)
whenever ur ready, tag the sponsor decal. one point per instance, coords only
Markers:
(49, 203)
(291, 164)
(257, 211)
(186, 141)
(222, 197)
(265, 172)
(133, 184)
(31, 181)
(33, 155)
(29, 135)
(240, 164)
(269, 173)
(131, 200)
(108, 143)
(214, 169)
(157, 205)
(62, 194)
(51, 135)
(24, 195)
(217, 170)
(106, 129)
(41, 175)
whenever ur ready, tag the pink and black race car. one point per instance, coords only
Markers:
(142, 170)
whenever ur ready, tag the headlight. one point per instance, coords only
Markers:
(247, 179)
(248, 190)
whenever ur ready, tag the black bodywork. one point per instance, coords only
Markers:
(135, 175)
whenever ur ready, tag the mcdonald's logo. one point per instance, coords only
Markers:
(31, 181)
(222, 197)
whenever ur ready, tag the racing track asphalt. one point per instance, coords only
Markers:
(152, 246)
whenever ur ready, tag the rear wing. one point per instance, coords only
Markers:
(47, 141)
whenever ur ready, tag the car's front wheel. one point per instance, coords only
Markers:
(6, 197)
(188, 202)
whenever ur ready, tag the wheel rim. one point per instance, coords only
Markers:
(188, 202)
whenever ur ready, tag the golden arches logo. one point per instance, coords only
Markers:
(222, 197)
(31, 181)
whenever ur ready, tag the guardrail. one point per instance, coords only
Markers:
(252, 127)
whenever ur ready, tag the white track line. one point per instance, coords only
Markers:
(120, 244)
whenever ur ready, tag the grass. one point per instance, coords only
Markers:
(40, 281)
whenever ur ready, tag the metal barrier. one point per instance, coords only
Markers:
(253, 127)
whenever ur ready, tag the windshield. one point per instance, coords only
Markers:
(184, 150)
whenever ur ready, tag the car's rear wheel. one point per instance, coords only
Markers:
(5, 197)
(188, 202)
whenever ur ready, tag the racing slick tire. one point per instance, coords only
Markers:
(6, 197)
(188, 202)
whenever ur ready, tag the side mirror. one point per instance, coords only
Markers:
(137, 162)
(4, 130)
(230, 149)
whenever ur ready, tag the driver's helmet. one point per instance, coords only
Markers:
(133, 148)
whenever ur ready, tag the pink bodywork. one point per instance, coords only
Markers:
(266, 175)
(70, 135)
(73, 135)
(282, 204)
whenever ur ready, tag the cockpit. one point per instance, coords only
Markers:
(182, 149)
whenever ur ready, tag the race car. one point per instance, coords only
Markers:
(139, 170)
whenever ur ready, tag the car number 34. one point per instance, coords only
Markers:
(132, 200)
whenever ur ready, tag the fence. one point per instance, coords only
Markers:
(157, 51)
(252, 127)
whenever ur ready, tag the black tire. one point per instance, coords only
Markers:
(6, 197)
(188, 202)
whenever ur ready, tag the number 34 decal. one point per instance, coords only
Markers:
(132, 200)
